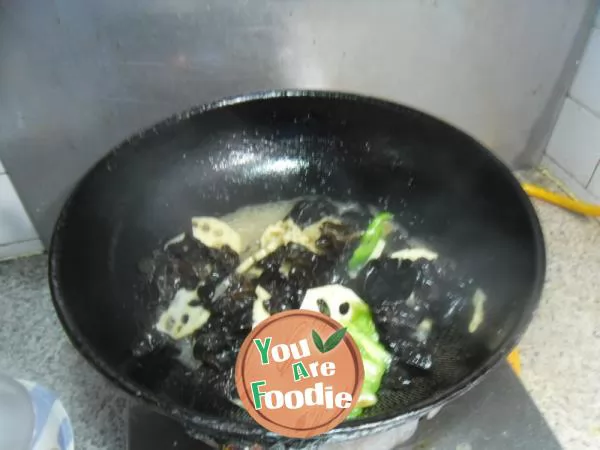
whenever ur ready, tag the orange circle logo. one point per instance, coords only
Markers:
(299, 373)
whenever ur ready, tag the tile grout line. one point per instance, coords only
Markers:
(23, 241)
(593, 174)
(583, 105)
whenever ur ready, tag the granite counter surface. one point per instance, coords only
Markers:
(34, 347)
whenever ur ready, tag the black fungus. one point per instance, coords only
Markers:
(339, 274)
(400, 293)
(208, 342)
(206, 289)
(397, 240)
(412, 353)
(456, 305)
(331, 245)
(165, 278)
(397, 320)
(222, 360)
(309, 211)
(223, 383)
(274, 259)
(289, 272)
(188, 264)
(429, 283)
(398, 376)
(292, 268)
(447, 294)
(315, 267)
(235, 305)
(282, 302)
(217, 343)
(303, 275)
(188, 277)
(336, 239)
(386, 279)
(285, 295)
(154, 368)
(231, 316)
(298, 254)
(357, 219)
(273, 280)
(188, 248)
(149, 343)
(227, 259)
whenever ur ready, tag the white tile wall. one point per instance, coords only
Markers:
(573, 151)
(586, 86)
(15, 224)
(575, 141)
(17, 234)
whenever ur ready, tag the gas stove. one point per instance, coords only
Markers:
(496, 414)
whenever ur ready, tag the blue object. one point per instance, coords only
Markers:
(32, 417)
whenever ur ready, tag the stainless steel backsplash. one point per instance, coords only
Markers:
(77, 76)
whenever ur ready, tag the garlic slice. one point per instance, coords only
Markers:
(365, 400)
(175, 240)
(424, 330)
(478, 300)
(413, 254)
(378, 250)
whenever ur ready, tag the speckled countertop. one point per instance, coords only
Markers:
(34, 347)
(560, 352)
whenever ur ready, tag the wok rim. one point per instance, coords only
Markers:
(215, 425)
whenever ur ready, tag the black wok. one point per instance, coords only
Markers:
(442, 185)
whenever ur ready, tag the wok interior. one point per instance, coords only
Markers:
(441, 185)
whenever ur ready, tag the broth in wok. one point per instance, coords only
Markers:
(216, 281)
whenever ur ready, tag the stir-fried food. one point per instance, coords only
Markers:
(223, 276)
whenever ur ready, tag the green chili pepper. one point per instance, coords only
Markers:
(375, 231)
(356, 412)
(376, 359)
(357, 320)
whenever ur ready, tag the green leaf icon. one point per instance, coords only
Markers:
(331, 342)
(334, 340)
(318, 341)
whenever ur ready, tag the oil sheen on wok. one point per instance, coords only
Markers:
(214, 282)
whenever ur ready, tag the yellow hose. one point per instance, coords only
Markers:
(514, 359)
(586, 209)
